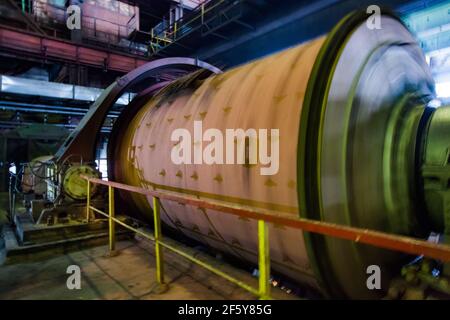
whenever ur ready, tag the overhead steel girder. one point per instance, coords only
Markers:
(24, 45)
(81, 142)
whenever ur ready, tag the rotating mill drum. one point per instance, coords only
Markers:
(351, 109)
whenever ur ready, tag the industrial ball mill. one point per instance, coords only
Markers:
(361, 143)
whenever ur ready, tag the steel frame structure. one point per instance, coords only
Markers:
(157, 74)
(28, 45)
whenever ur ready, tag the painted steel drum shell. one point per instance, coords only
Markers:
(310, 93)
(264, 94)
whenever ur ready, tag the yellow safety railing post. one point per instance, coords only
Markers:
(88, 200)
(112, 231)
(263, 260)
(158, 248)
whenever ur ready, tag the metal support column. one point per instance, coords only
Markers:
(264, 260)
(88, 200)
(158, 248)
(112, 231)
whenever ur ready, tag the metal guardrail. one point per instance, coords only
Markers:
(185, 25)
(374, 238)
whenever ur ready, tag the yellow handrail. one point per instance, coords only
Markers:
(264, 260)
(375, 238)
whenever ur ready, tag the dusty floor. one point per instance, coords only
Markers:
(129, 275)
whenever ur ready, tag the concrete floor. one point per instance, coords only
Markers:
(129, 275)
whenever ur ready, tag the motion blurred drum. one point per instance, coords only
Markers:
(351, 110)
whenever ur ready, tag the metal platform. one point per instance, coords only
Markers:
(26, 240)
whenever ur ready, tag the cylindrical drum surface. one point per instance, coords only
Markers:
(265, 94)
(276, 96)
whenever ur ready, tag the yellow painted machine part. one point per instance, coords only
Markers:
(264, 94)
(74, 185)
